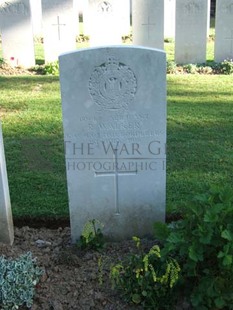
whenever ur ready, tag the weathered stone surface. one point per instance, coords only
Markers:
(224, 30)
(192, 18)
(58, 28)
(108, 21)
(114, 117)
(148, 23)
(17, 35)
(6, 222)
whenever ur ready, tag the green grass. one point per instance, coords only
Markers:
(200, 140)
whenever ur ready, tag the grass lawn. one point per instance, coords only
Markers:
(200, 140)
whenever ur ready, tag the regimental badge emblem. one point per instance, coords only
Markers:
(112, 85)
(104, 7)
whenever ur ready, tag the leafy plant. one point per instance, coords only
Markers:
(145, 278)
(202, 242)
(18, 279)
(51, 68)
(204, 69)
(171, 67)
(227, 66)
(190, 68)
(2, 62)
(92, 236)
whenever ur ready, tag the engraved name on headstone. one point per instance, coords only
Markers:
(114, 118)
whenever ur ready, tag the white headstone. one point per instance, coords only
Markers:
(224, 30)
(17, 35)
(191, 31)
(114, 118)
(6, 222)
(148, 23)
(86, 16)
(76, 16)
(107, 21)
(169, 18)
(58, 28)
(36, 12)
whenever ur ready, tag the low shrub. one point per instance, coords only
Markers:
(190, 68)
(51, 68)
(18, 279)
(2, 62)
(171, 67)
(146, 279)
(226, 66)
(202, 243)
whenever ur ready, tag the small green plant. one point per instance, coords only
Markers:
(202, 242)
(2, 62)
(145, 278)
(52, 68)
(190, 68)
(204, 69)
(92, 236)
(168, 40)
(171, 67)
(226, 66)
(18, 279)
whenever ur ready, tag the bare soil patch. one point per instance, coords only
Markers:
(6, 70)
(71, 279)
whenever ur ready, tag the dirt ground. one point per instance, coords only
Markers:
(6, 70)
(71, 279)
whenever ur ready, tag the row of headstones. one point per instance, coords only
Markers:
(107, 23)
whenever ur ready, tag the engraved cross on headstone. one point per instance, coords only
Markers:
(231, 39)
(148, 25)
(115, 173)
(58, 27)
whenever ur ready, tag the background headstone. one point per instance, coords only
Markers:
(6, 222)
(77, 8)
(191, 31)
(17, 35)
(107, 21)
(169, 18)
(114, 118)
(224, 30)
(84, 4)
(58, 28)
(148, 23)
(36, 12)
